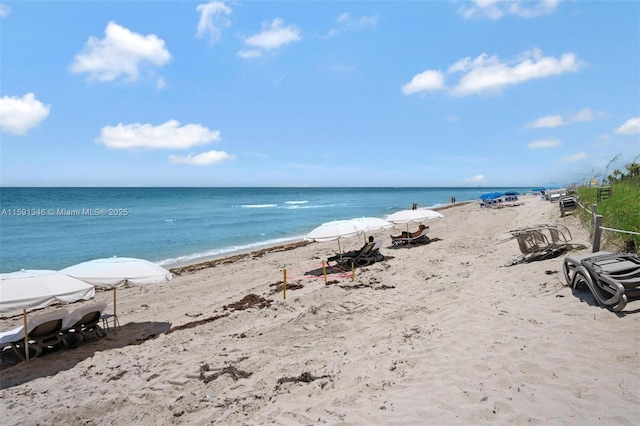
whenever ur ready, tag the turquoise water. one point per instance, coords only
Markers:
(51, 228)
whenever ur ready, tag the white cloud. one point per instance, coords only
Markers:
(489, 75)
(426, 81)
(557, 120)
(248, 54)
(4, 10)
(630, 127)
(19, 115)
(121, 52)
(544, 143)
(213, 19)
(165, 136)
(584, 115)
(574, 158)
(274, 35)
(202, 159)
(476, 178)
(548, 121)
(346, 22)
(496, 9)
(486, 74)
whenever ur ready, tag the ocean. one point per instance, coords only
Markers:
(52, 228)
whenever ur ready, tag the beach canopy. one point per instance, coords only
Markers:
(30, 289)
(413, 216)
(512, 193)
(113, 272)
(491, 195)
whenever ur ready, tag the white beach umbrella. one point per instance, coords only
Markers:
(114, 272)
(372, 223)
(413, 216)
(335, 230)
(29, 289)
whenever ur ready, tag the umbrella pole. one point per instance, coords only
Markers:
(26, 334)
(115, 314)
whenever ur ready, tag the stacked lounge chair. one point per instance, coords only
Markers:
(542, 241)
(612, 278)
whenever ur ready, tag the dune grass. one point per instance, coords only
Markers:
(621, 211)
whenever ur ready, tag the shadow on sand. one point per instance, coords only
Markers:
(13, 373)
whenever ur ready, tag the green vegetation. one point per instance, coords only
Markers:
(621, 210)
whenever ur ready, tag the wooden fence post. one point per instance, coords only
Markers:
(597, 233)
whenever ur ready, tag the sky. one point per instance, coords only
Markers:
(317, 93)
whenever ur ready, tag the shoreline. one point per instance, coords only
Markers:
(211, 261)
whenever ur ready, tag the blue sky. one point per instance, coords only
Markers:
(317, 93)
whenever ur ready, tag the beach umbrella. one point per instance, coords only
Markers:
(336, 230)
(491, 195)
(372, 223)
(31, 289)
(114, 272)
(413, 216)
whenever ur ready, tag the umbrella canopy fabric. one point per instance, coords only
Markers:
(372, 223)
(335, 230)
(413, 216)
(492, 195)
(29, 289)
(114, 272)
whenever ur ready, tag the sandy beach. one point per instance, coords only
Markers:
(444, 333)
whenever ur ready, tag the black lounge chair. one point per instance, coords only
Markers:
(423, 238)
(360, 257)
(612, 278)
(44, 332)
(83, 323)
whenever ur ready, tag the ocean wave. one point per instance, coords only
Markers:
(215, 253)
(257, 206)
(296, 202)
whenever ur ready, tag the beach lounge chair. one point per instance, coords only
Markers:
(375, 251)
(82, 323)
(567, 204)
(612, 278)
(420, 239)
(44, 332)
(360, 257)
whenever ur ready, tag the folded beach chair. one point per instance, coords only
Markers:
(82, 323)
(612, 278)
(420, 239)
(360, 257)
(44, 332)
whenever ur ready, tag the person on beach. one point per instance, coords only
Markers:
(406, 234)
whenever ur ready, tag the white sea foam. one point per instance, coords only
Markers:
(296, 202)
(215, 253)
(257, 206)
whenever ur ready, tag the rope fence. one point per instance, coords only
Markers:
(596, 223)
